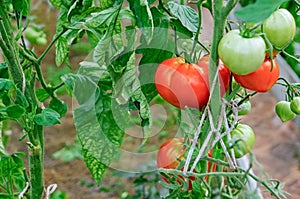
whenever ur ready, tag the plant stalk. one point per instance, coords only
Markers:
(10, 50)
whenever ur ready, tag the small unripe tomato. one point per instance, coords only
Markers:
(284, 111)
(245, 108)
(295, 105)
(242, 138)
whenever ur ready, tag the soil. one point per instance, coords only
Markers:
(276, 149)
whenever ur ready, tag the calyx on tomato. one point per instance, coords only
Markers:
(240, 54)
(171, 153)
(242, 138)
(280, 28)
(262, 79)
(284, 111)
(186, 84)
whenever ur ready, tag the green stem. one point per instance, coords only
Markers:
(199, 7)
(8, 46)
(50, 45)
(35, 134)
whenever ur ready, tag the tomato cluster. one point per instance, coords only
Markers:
(248, 59)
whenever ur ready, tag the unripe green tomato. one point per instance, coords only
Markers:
(243, 138)
(241, 55)
(280, 28)
(295, 105)
(284, 111)
(31, 34)
(245, 108)
(41, 41)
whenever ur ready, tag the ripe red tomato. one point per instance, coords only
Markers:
(186, 85)
(171, 152)
(262, 79)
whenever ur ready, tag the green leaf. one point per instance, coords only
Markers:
(105, 17)
(144, 18)
(59, 106)
(15, 111)
(104, 4)
(62, 51)
(5, 84)
(69, 81)
(48, 117)
(4, 70)
(21, 6)
(21, 99)
(259, 11)
(42, 94)
(186, 15)
(56, 3)
(96, 126)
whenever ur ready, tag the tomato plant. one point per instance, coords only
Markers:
(262, 79)
(240, 54)
(242, 138)
(280, 28)
(116, 86)
(186, 84)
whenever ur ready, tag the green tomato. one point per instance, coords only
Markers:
(295, 105)
(31, 34)
(284, 111)
(242, 138)
(245, 108)
(241, 55)
(280, 28)
(41, 41)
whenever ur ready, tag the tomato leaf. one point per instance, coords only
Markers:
(5, 84)
(21, 99)
(56, 3)
(59, 106)
(186, 15)
(21, 6)
(105, 17)
(154, 53)
(144, 18)
(15, 111)
(48, 117)
(62, 51)
(42, 94)
(97, 129)
(262, 9)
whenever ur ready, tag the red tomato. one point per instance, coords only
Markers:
(262, 79)
(171, 152)
(186, 85)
